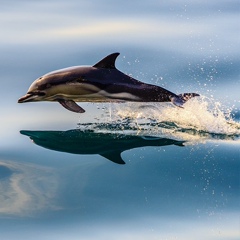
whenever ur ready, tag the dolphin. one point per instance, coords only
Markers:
(102, 82)
(108, 145)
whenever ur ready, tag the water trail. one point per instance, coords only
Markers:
(201, 118)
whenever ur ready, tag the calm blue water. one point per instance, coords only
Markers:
(181, 177)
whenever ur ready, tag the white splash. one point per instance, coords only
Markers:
(201, 115)
(201, 119)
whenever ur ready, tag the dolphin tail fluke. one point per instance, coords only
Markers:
(180, 99)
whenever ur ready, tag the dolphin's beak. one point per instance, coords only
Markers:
(27, 98)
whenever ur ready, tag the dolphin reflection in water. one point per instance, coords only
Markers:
(108, 145)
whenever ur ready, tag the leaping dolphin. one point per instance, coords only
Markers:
(102, 82)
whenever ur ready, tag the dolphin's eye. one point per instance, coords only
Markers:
(41, 93)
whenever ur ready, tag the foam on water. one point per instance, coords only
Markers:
(201, 118)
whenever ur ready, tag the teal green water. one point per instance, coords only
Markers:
(129, 170)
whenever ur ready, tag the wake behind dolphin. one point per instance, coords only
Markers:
(101, 82)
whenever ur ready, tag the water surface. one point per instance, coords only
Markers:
(122, 171)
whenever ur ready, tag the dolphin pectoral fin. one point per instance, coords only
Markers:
(71, 106)
(113, 156)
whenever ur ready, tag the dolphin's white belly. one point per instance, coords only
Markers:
(86, 93)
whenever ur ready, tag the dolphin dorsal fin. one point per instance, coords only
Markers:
(107, 62)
